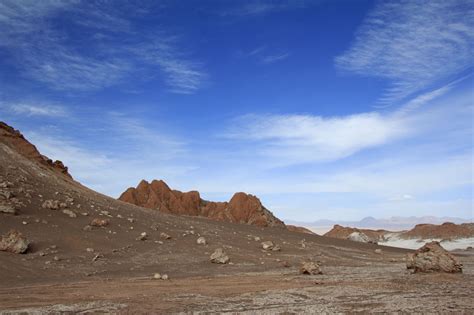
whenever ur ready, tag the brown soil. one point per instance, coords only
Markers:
(106, 269)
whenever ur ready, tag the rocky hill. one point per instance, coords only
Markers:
(343, 232)
(242, 207)
(445, 231)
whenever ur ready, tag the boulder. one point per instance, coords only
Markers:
(432, 257)
(8, 209)
(219, 257)
(14, 242)
(310, 268)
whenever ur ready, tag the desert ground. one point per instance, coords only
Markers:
(72, 266)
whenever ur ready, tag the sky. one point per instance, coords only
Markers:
(323, 109)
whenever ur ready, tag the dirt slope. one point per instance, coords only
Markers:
(242, 208)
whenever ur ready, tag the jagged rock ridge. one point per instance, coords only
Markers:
(16, 141)
(242, 207)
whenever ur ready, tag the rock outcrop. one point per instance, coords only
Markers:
(355, 234)
(16, 141)
(432, 257)
(242, 208)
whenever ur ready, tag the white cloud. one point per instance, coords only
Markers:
(412, 43)
(35, 109)
(261, 7)
(307, 138)
(403, 197)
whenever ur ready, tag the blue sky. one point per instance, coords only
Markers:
(324, 109)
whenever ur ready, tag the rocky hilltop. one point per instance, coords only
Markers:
(242, 207)
(16, 141)
(366, 235)
(446, 230)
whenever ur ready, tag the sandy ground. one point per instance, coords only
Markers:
(374, 288)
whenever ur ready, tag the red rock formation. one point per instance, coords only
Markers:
(339, 231)
(446, 230)
(242, 208)
(15, 140)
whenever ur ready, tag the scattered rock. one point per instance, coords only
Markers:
(201, 241)
(97, 222)
(56, 258)
(14, 242)
(62, 205)
(310, 268)
(143, 236)
(87, 228)
(432, 257)
(267, 245)
(378, 251)
(70, 213)
(96, 257)
(8, 209)
(51, 204)
(159, 276)
(219, 257)
(164, 277)
(165, 236)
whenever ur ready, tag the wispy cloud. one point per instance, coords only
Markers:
(306, 138)
(275, 58)
(34, 109)
(50, 54)
(261, 7)
(414, 44)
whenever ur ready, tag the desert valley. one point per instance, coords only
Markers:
(236, 157)
(66, 248)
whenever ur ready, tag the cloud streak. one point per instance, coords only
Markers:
(52, 55)
(414, 44)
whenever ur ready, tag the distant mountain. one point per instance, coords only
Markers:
(395, 223)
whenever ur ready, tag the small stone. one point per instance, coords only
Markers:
(50, 204)
(219, 257)
(165, 236)
(143, 236)
(70, 213)
(201, 241)
(56, 258)
(99, 222)
(378, 251)
(87, 228)
(310, 268)
(256, 239)
(90, 250)
(267, 245)
(164, 277)
(24, 223)
(157, 276)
